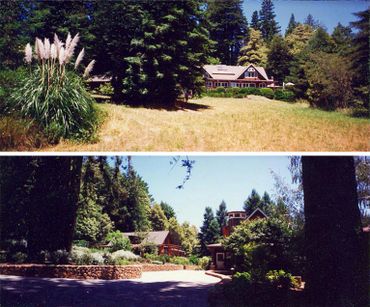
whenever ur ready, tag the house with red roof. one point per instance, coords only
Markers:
(236, 76)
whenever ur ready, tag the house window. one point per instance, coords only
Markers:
(237, 215)
(251, 73)
(262, 85)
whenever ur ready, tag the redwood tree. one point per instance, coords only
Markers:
(332, 232)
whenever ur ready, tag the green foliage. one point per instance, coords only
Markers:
(254, 52)
(291, 25)
(329, 77)
(267, 92)
(118, 241)
(20, 134)
(65, 105)
(9, 80)
(209, 231)
(148, 248)
(168, 210)
(278, 59)
(221, 215)
(157, 218)
(189, 238)
(105, 89)
(261, 245)
(179, 260)
(194, 259)
(204, 262)
(227, 28)
(268, 25)
(281, 279)
(284, 95)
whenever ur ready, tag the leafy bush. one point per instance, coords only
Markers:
(105, 89)
(284, 95)
(179, 260)
(148, 248)
(204, 262)
(194, 259)
(124, 254)
(157, 258)
(81, 243)
(9, 79)
(54, 96)
(219, 89)
(267, 92)
(60, 257)
(118, 241)
(20, 134)
(281, 279)
(18, 257)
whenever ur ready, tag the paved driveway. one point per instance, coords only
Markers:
(175, 288)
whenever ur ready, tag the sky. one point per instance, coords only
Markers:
(213, 179)
(329, 13)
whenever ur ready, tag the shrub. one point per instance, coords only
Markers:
(219, 89)
(284, 95)
(179, 260)
(281, 279)
(60, 257)
(194, 259)
(18, 257)
(124, 254)
(118, 241)
(97, 258)
(149, 248)
(20, 134)
(267, 92)
(204, 262)
(9, 79)
(105, 89)
(53, 95)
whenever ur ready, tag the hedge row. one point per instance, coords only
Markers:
(235, 92)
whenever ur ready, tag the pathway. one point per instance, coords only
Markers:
(174, 288)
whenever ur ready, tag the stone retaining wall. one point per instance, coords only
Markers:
(88, 271)
(73, 271)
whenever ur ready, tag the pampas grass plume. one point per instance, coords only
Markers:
(28, 54)
(53, 51)
(47, 48)
(89, 68)
(79, 58)
(61, 55)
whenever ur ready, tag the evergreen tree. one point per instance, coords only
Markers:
(360, 58)
(47, 190)
(278, 59)
(291, 26)
(255, 52)
(252, 203)
(320, 41)
(167, 54)
(310, 21)
(298, 39)
(158, 218)
(221, 215)
(269, 26)
(342, 37)
(92, 223)
(266, 203)
(255, 22)
(176, 231)
(12, 33)
(168, 210)
(209, 231)
(227, 27)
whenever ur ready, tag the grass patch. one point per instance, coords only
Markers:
(227, 124)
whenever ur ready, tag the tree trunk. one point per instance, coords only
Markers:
(332, 232)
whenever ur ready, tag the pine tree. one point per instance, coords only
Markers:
(298, 39)
(158, 218)
(255, 52)
(252, 203)
(320, 41)
(342, 37)
(228, 28)
(221, 215)
(167, 54)
(209, 231)
(168, 210)
(255, 22)
(291, 26)
(278, 59)
(360, 57)
(269, 26)
(310, 21)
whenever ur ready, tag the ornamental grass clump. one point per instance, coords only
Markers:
(53, 94)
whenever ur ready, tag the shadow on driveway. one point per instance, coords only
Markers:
(23, 291)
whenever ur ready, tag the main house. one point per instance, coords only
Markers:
(165, 241)
(220, 258)
(236, 76)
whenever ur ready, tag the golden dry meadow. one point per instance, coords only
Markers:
(226, 124)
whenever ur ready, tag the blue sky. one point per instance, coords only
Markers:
(213, 179)
(329, 13)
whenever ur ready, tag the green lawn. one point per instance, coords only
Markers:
(227, 124)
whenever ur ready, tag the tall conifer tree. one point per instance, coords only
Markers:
(269, 26)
